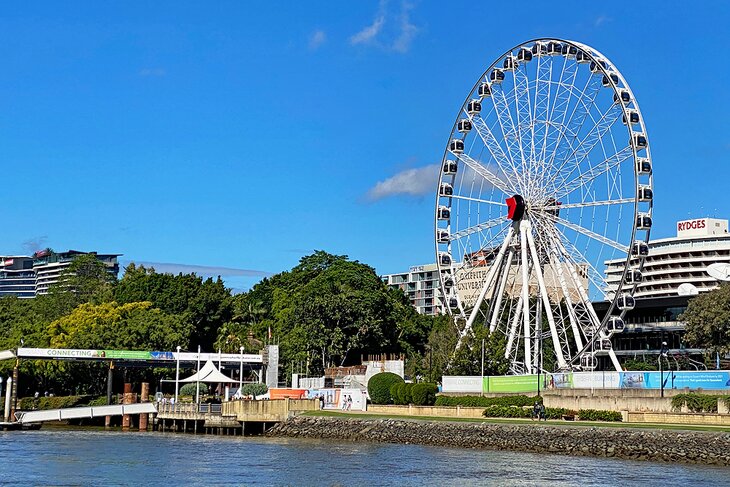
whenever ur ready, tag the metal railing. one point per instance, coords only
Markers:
(187, 407)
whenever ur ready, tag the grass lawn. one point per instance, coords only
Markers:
(569, 424)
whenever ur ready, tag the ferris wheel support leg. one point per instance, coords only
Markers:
(500, 292)
(488, 282)
(525, 296)
(513, 329)
(546, 301)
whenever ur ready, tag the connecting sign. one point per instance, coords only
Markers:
(81, 354)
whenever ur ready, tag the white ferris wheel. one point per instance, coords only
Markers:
(546, 176)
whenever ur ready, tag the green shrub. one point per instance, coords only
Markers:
(424, 394)
(99, 401)
(191, 389)
(479, 401)
(379, 387)
(598, 415)
(255, 389)
(496, 411)
(395, 393)
(698, 403)
(407, 398)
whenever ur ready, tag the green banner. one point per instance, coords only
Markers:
(126, 354)
(513, 383)
(485, 384)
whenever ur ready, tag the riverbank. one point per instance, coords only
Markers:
(695, 447)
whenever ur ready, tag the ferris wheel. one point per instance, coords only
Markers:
(547, 176)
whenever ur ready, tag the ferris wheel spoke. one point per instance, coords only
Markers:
(495, 149)
(481, 227)
(591, 234)
(525, 120)
(501, 106)
(540, 118)
(485, 173)
(571, 131)
(595, 277)
(478, 200)
(558, 111)
(586, 204)
(588, 143)
(608, 164)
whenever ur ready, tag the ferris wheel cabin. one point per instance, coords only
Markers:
(450, 167)
(615, 325)
(485, 90)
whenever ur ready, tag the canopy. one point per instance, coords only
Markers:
(208, 373)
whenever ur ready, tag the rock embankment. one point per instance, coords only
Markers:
(712, 448)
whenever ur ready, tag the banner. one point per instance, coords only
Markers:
(596, 380)
(458, 383)
(513, 383)
(673, 379)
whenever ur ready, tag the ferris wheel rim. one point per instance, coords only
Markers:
(607, 69)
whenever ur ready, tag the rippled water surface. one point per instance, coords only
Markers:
(83, 457)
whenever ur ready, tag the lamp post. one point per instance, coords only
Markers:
(240, 375)
(197, 382)
(662, 354)
(177, 373)
(427, 348)
(482, 366)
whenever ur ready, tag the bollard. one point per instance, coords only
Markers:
(144, 397)
(127, 399)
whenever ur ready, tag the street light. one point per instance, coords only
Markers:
(177, 373)
(662, 354)
(430, 377)
(240, 375)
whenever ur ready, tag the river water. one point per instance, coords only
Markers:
(95, 457)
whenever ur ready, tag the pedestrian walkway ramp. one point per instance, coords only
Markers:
(6, 354)
(26, 417)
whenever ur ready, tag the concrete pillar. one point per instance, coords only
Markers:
(144, 397)
(126, 419)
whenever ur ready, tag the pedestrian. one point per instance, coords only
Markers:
(542, 412)
(321, 401)
(536, 411)
(349, 402)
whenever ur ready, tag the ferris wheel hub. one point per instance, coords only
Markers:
(515, 207)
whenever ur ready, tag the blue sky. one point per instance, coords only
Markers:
(240, 136)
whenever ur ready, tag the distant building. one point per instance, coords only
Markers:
(50, 265)
(31, 276)
(681, 260)
(421, 285)
(17, 277)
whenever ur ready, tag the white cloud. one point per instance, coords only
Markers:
(601, 19)
(407, 30)
(316, 40)
(388, 31)
(415, 182)
(369, 33)
(202, 270)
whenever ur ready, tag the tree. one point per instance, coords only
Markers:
(707, 320)
(205, 304)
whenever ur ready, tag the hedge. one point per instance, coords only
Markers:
(52, 402)
(698, 403)
(424, 394)
(497, 411)
(379, 387)
(598, 415)
(481, 402)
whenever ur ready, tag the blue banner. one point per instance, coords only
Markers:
(676, 380)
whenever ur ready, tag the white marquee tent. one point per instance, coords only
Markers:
(209, 374)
